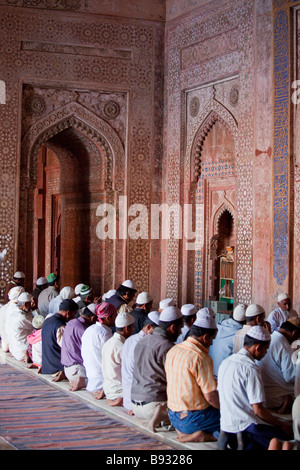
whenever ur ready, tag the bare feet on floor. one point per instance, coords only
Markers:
(116, 402)
(99, 395)
(199, 436)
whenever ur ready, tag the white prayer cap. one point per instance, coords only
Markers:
(78, 288)
(41, 281)
(130, 284)
(239, 313)
(19, 275)
(108, 294)
(154, 317)
(170, 313)
(92, 307)
(66, 292)
(124, 319)
(166, 303)
(254, 309)
(260, 333)
(283, 296)
(14, 293)
(188, 309)
(206, 318)
(25, 297)
(144, 298)
(38, 321)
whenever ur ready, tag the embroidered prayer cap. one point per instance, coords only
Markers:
(130, 284)
(78, 288)
(108, 294)
(41, 281)
(85, 290)
(37, 321)
(68, 304)
(51, 277)
(144, 298)
(206, 318)
(188, 309)
(15, 292)
(104, 310)
(25, 297)
(254, 309)
(154, 317)
(170, 313)
(124, 319)
(19, 275)
(282, 297)
(261, 333)
(239, 313)
(166, 303)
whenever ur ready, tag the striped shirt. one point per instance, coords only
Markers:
(189, 371)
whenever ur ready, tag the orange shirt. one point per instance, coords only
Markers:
(189, 371)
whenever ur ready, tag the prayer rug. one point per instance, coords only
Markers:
(36, 416)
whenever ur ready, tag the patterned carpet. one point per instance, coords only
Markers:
(36, 416)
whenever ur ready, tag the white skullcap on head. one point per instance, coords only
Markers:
(38, 321)
(78, 288)
(41, 281)
(130, 284)
(260, 333)
(283, 296)
(154, 317)
(144, 298)
(239, 313)
(166, 303)
(19, 275)
(188, 309)
(254, 309)
(25, 297)
(170, 313)
(124, 319)
(206, 318)
(66, 292)
(92, 307)
(15, 292)
(108, 294)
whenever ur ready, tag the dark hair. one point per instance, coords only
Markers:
(249, 341)
(165, 324)
(288, 326)
(200, 331)
(122, 290)
(88, 313)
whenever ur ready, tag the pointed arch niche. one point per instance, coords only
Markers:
(211, 190)
(71, 162)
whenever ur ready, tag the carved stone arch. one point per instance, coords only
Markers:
(224, 207)
(92, 126)
(214, 111)
(112, 157)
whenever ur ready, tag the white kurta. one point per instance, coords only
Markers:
(92, 342)
(111, 366)
(18, 326)
(240, 386)
(127, 364)
(278, 370)
(277, 317)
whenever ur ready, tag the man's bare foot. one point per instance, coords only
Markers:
(115, 402)
(77, 384)
(99, 395)
(59, 377)
(130, 412)
(198, 436)
(160, 415)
